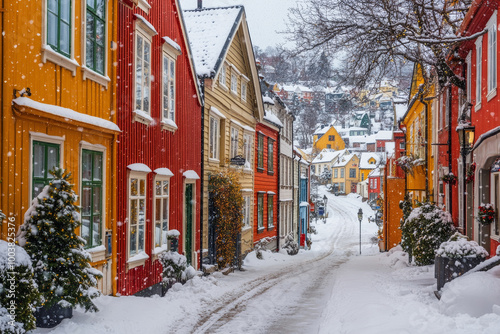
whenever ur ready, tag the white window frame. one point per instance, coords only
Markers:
(234, 82)
(248, 149)
(235, 134)
(492, 56)
(244, 88)
(247, 210)
(222, 76)
(139, 176)
(214, 136)
(48, 54)
(170, 53)
(468, 61)
(162, 196)
(37, 136)
(102, 79)
(146, 33)
(479, 55)
(98, 148)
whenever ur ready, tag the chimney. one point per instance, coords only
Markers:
(200, 4)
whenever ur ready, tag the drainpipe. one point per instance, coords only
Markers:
(2, 118)
(202, 190)
(426, 134)
(448, 109)
(278, 195)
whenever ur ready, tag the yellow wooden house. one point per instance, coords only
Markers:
(418, 123)
(233, 105)
(58, 109)
(368, 161)
(345, 173)
(327, 137)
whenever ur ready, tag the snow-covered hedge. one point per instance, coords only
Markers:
(18, 290)
(425, 229)
(458, 246)
(290, 245)
(175, 268)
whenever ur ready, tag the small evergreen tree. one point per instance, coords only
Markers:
(430, 227)
(18, 290)
(407, 237)
(61, 264)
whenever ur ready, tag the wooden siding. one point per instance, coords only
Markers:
(51, 84)
(151, 145)
(233, 108)
(265, 182)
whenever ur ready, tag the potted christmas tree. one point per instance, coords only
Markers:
(61, 265)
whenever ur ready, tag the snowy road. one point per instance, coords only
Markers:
(328, 290)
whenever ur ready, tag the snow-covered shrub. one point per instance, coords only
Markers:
(458, 247)
(18, 290)
(61, 263)
(262, 245)
(424, 230)
(175, 268)
(290, 245)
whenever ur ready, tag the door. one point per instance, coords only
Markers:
(188, 205)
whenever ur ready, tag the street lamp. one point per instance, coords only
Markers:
(466, 139)
(360, 217)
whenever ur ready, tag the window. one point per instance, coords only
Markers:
(142, 72)
(222, 76)
(270, 208)
(260, 211)
(137, 212)
(168, 83)
(246, 211)
(402, 145)
(492, 55)
(374, 183)
(335, 173)
(479, 56)
(214, 138)
(328, 146)
(362, 177)
(234, 142)
(247, 150)
(59, 26)
(91, 198)
(95, 35)
(260, 152)
(243, 91)
(352, 173)
(270, 155)
(161, 202)
(46, 156)
(331, 138)
(342, 172)
(234, 83)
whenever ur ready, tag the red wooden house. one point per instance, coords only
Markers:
(481, 73)
(159, 152)
(374, 184)
(266, 186)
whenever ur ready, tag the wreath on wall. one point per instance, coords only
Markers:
(469, 174)
(449, 178)
(486, 214)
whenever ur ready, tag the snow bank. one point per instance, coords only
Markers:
(476, 294)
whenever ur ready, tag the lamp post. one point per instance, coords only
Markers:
(325, 201)
(466, 139)
(360, 217)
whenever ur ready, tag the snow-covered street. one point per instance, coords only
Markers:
(330, 289)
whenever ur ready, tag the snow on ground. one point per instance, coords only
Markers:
(328, 289)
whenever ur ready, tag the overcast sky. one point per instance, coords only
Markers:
(265, 17)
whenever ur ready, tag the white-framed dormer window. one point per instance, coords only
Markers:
(214, 139)
(492, 56)
(161, 202)
(479, 66)
(58, 33)
(222, 76)
(144, 33)
(137, 185)
(235, 134)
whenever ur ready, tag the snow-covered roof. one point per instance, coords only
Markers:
(170, 42)
(390, 148)
(400, 110)
(270, 117)
(366, 157)
(328, 155)
(191, 174)
(375, 173)
(139, 167)
(344, 160)
(164, 171)
(268, 100)
(384, 135)
(209, 30)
